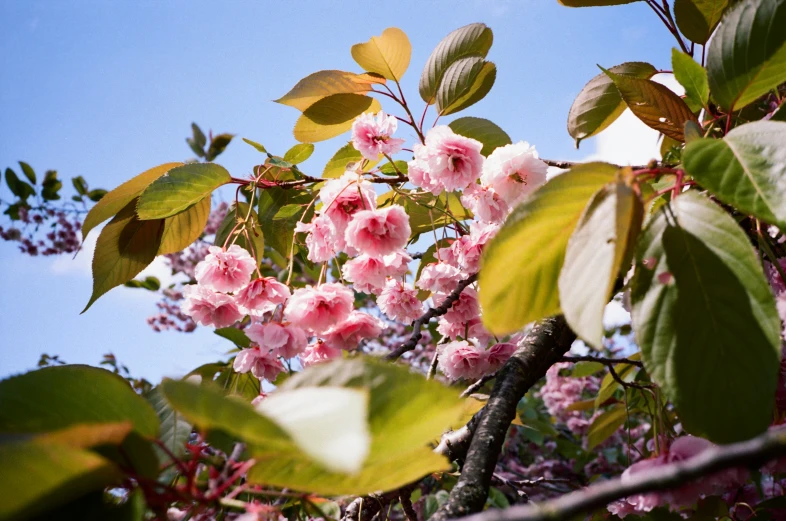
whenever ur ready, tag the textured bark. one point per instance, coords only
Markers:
(546, 343)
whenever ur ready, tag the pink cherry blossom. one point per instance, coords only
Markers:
(439, 277)
(348, 334)
(453, 161)
(485, 203)
(371, 135)
(513, 171)
(208, 307)
(225, 271)
(399, 301)
(260, 361)
(417, 171)
(468, 248)
(261, 296)
(498, 354)
(448, 256)
(379, 232)
(321, 238)
(462, 310)
(318, 352)
(286, 341)
(317, 309)
(368, 274)
(342, 198)
(472, 329)
(462, 360)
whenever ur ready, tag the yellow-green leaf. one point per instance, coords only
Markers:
(697, 19)
(521, 265)
(299, 153)
(180, 188)
(183, 229)
(605, 425)
(322, 84)
(114, 201)
(332, 116)
(387, 55)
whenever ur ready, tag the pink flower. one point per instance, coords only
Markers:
(368, 274)
(472, 330)
(379, 232)
(499, 354)
(399, 301)
(319, 352)
(342, 198)
(464, 309)
(417, 171)
(371, 135)
(462, 360)
(317, 309)
(261, 362)
(453, 161)
(321, 238)
(348, 334)
(285, 341)
(439, 278)
(225, 271)
(209, 308)
(513, 171)
(485, 203)
(468, 248)
(261, 295)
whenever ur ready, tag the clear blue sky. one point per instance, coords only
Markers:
(107, 89)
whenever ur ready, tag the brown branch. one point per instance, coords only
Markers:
(751, 454)
(605, 361)
(478, 384)
(438, 311)
(545, 344)
(406, 505)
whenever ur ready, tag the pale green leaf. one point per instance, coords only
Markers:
(180, 188)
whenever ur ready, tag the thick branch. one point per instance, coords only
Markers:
(438, 311)
(545, 344)
(751, 454)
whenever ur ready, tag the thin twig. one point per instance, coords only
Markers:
(605, 361)
(478, 384)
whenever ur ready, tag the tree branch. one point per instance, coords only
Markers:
(545, 344)
(751, 454)
(605, 361)
(438, 311)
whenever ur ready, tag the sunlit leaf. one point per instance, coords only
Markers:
(605, 425)
(299, 153)
(181, 230)
(332, 116)
(180, 188)
(697, 19)
(692, 76)
(387, 55)
(320, 85)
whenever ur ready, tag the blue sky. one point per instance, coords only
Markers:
(107, 89)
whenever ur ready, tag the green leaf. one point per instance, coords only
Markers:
(706, 321)
(481, 130)
(19, 188)
(112, 202)
(780, 113)
(600, 247)
(124, 248)
(80, 185)
(342, 160)
(599, 103)
(594, 3)
(521, 264)
(256, 145)
(217, 145)
(394, 168)
(426, 211)
(199, 137)
(180, 188)
(181, 230)
(38, 477)
(692, 76)
(464, 83)
(279, 233)
(234, 335)
(609, 385)
(320, 85)
(470, 40)
(745, 169)
(175, 430)
(582, 369)
(697, 19)
(299, 153)
(605, 425)
(654, 104)
(251, 227)
(28, 171)
(747, 55)
(96, 195)
(332, 116)
(387, 55)
(57, 397)
(51, 186)
(150, 284)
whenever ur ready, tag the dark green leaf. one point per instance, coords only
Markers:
(217, 145)
(250, 228)
(80, 185)
(19, 188)
(51, 186)
(706, 321)
(279, 233)
(28, 171)
(175, 430)
(482, 130)
(697, 19)
(96, 195)
(464, 83)
(234, 335)
(180, 188)
(199, 137)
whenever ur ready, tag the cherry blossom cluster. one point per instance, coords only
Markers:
(62, 235)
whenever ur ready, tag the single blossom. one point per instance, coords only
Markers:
(321, 238)
(317, 309)
(348, 334)
(498, 354)
(208, 307)
(225, 270)
(369, 274)
(513, 171)
(462, 359)
(439, 277)
(318, 352)
(464, 309)
(261, 296)
(372, 135)
(262, 363)
(485, 203)
(452, 160)
(379, 232)
(284, 340)
(467, 249)
(417, 171)
(399, 301)
(342, 198)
